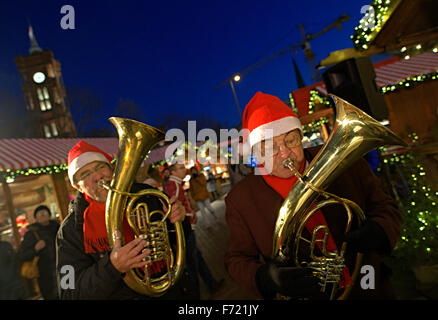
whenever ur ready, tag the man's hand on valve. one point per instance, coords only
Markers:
(131, 255)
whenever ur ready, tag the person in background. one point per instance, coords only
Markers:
(237, 172)
(39, 240)
(165, 175)
(148, 175)
(212, 186)
(196, 264)
(11, 286)
(199, 193)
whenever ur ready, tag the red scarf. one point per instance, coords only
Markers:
(282, 187)
(95, 233)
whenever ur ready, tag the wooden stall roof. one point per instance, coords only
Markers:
(403, 23)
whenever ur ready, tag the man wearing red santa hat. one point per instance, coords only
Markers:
(252, 207)
(82, 241)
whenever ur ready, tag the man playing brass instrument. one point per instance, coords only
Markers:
(252, 207)
(82, 240)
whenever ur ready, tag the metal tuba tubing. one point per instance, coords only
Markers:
(135, 141)
(354, 134)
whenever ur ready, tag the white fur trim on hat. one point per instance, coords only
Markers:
(275, 128)
(82, 160)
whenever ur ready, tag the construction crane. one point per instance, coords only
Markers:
(304, 44)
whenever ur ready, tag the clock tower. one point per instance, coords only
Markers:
(44, 93)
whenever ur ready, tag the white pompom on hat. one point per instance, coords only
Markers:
(266, 116)
(82, 154)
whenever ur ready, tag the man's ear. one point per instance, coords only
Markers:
(76, 186)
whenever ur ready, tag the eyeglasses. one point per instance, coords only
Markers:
(87, 174)
(291, 140)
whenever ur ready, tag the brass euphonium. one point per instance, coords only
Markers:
(135, 141)
(354, 134)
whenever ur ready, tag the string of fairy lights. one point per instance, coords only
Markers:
(10, 175)
(369, 26)
(410, 82)
(317, 98)
(419, 203)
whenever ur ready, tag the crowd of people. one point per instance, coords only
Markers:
(252, 206)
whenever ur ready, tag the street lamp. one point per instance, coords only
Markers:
(236, 78)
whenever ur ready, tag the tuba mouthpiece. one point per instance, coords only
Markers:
(103, 184)
(288, 163)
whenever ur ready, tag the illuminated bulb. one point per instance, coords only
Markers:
(403, 49)
(236, 78)
(435, 50)
(407, 57)
(418, 46)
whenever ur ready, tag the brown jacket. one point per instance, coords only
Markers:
(252, 208)
(198, 188)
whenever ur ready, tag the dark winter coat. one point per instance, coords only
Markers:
(252, 208)
(94, 275)
(11, 286)
(47, 255)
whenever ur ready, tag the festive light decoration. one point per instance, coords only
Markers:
(418, 202)
(11, 175)
(370, 25)
(292, 103)
(410, 82)
(317, 98)
(314, 125)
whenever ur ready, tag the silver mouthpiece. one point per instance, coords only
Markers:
(288, 163)
(103, 184)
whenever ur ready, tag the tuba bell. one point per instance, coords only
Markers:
(354, 134)
(135, 141)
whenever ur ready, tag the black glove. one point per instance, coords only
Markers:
(369, 237)
(289, 281)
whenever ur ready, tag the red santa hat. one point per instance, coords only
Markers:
(266, 117)
(82, 154)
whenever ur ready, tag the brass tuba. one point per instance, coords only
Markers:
(135, 141)
(354, 134)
